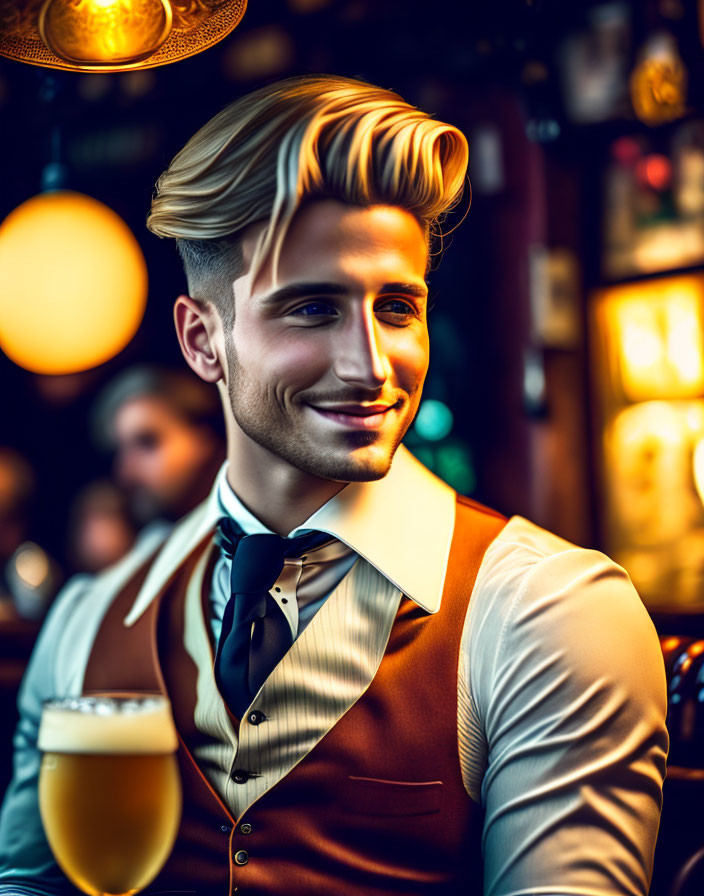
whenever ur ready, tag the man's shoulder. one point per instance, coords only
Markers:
(530, 571)
(535, 586)
(517, 545)
(521, 545)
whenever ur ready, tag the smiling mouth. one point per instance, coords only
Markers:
(356, 416)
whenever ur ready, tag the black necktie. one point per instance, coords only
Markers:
(255, 632)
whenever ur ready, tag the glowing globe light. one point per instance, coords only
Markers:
(105, 32)
(73, 283)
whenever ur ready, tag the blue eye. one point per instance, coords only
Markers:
(314, 309)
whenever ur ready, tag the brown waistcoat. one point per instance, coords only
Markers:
(377, 807)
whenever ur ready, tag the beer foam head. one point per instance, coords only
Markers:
(108, 724)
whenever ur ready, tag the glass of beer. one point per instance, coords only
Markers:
(109, 789)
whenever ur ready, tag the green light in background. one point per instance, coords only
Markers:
(451, 460)
(453, 463)
(434, 420)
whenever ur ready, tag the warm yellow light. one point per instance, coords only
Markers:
(113, 35)
(105, 32)
(670, 643)
(643, 349)
(73, 283)
(657, 337)
(648, 467)
(694, 418)
(683, 338)
(698, 464)
(659, 82)
(639, 427)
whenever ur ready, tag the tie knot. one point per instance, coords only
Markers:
(257, 563)
(257, 560)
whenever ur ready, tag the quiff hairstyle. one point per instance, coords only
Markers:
(311, 136)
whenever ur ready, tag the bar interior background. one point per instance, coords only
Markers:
(567, 337)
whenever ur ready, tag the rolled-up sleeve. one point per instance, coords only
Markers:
(569, 698)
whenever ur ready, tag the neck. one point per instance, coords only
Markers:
(279, 495)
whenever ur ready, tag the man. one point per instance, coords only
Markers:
(165, 428)
(408, 675)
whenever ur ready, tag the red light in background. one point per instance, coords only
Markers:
(654, 171)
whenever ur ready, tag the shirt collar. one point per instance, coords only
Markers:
(401, 524)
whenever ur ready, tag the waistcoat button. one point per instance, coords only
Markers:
(245, 828)
(241, 857)
(240, 776)
(225, 828)
(256, 717)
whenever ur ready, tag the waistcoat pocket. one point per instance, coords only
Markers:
(375, 796)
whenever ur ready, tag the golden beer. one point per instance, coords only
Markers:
(109, 790)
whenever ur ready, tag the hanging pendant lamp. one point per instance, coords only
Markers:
(113, 35)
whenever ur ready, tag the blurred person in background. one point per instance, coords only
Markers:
(166, 430)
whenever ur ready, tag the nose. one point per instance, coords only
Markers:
(360, 358)
(127, 465)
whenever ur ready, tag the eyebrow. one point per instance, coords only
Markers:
(301, 290)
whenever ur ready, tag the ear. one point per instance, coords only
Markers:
(197, 329)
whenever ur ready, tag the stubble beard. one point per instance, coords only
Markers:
(264, 422)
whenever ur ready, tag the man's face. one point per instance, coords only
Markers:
(326, 366)
(159, 457)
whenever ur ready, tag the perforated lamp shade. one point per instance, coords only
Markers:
(113, 35)
(73, 283)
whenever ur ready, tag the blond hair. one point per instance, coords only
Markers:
(309, 136)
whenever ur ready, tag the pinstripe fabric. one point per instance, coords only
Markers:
(470, 735)
(326, 670)
(211, 718)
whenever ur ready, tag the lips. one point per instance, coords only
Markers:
(356, 410)
(358, 416)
